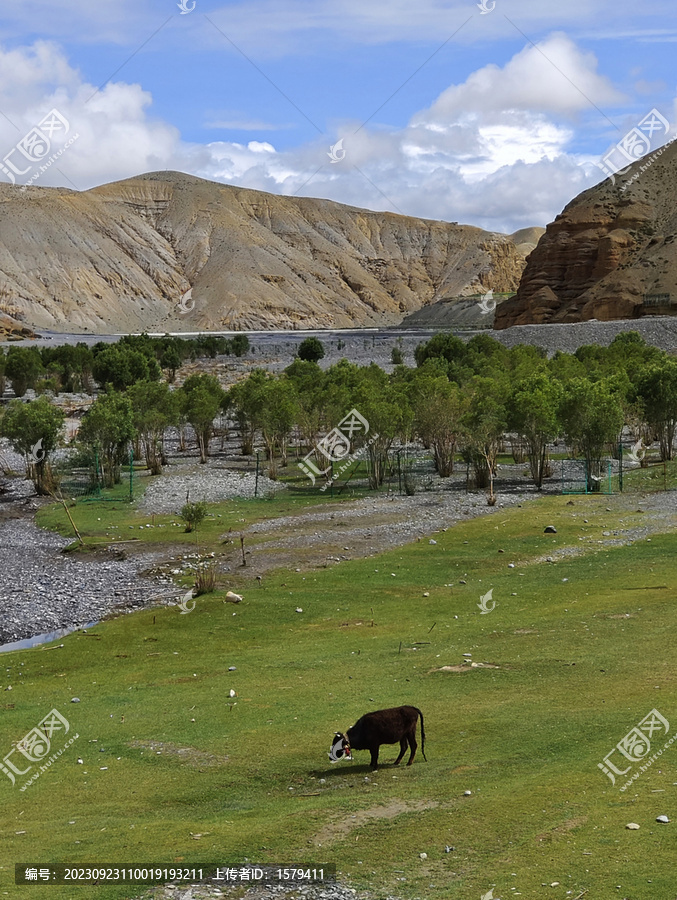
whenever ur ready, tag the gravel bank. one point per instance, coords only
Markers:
(43, 590)
(211, 481)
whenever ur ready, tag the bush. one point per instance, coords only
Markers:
(205, 580)
(193, 514)
(311, 349)
(397, 356)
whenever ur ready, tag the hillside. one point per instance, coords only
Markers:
(610, 254)
(120, 256)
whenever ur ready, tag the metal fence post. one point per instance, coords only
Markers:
(620, 466)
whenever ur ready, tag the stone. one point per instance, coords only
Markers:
(663, 820)
(550, 529)
(632, 826)
(423, 855)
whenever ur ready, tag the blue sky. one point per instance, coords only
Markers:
(495, 119)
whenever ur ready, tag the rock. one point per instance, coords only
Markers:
(423, 855)
(298, 609)
(232, 668)
(550, 529)
(431, 541)
(663, 820)
(511, 565)
(554, 884)
(426, 594)
(467, 793)
(632, 826)
(75, 700)
(233, 598)
(597, 259)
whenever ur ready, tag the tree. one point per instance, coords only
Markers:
(311, 349)
(439, 408)
(154, 409)
(592, 416)
(202, 396)
(657, 391)
(386, 408)
(23, 367)
(118, 367)
(108, 426)
(171, 361)
(34, 429)
(533, 412)
(485, 424)
(279, 412)
(239, 344)
(246, 400)
(450, 349)
(309, 382)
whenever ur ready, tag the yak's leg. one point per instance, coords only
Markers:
(403, 750)
(413, 745)
(374, 758)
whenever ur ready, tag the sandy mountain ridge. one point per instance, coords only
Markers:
(119, 258)
(610, 254)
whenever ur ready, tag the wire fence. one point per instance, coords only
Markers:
(82, 477)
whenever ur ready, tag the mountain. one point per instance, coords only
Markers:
(610, 254)
(119, 258)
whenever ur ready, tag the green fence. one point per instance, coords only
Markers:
(82, 478)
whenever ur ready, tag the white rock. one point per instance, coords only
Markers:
(431, 541)
(467, 793)
(663, 820)
(423, 855)
(632, 826)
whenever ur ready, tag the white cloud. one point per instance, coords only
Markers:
(554, 77)
(492, 151)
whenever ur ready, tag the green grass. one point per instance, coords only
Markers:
(580, 662)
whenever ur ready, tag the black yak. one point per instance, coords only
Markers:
(385, 726)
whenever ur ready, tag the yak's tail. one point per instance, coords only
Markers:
(422, 734)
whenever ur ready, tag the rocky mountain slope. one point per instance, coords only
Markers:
(121, 256)
(610, 254)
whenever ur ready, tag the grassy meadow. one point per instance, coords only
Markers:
(176, 771)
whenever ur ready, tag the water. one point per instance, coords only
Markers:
(27, 643)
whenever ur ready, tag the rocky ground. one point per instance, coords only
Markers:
(326, 891)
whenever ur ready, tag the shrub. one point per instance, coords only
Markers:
(193, 514)
(205, 580)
